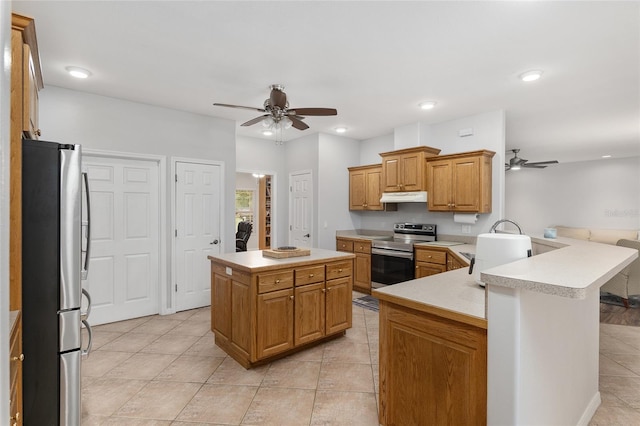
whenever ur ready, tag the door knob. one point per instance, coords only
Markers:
(306, 235)
(214, 241)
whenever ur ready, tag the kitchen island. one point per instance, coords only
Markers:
(540, 318)
(264, 308)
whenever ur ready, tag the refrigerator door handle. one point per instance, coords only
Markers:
(87, 226)
(84, 315)
(85, 352)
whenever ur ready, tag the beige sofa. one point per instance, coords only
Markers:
(627, 282)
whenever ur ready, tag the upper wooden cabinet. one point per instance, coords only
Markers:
(365, 188)
(403, 170)
(460, 182)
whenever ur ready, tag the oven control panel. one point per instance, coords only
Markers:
(414, 228)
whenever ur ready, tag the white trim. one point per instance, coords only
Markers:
(172, 302)
(313, 200)
(163, 284)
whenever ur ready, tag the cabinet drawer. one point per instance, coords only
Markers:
(362, 247)
(312, 274)
(431, 256)
(275, 281)
(344, 245)
(339, 270)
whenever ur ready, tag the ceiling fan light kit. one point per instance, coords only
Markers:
(427, 105)
(516, 163)
(278, 115)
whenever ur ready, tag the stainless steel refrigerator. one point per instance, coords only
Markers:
(55, 253)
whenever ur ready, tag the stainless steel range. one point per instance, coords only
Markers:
(392, 261)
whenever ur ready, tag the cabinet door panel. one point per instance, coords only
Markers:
(466, 184)
(374, 189)
(240, 312)
(391, 173)
(439, 185)
(338, 305)
(362, 275)
(274, 323)
(426, 269)
(412, 172)
(357, 190)
(344, 245)
(221, 305)
(310, 313)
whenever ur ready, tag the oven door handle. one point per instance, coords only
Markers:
(392, 253)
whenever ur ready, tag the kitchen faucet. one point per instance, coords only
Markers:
(495, 225)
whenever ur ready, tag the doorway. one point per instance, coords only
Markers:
(255, 197)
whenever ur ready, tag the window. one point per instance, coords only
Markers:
(244, 205)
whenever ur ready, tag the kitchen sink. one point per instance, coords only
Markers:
(468, 255)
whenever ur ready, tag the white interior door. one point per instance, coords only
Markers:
(124, 269)
(301, 209)
(197, 233)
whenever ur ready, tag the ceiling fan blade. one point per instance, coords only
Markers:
(255, 120)
(537, 163)
(312, 111)
(507, 166)
(297, 123)
(278, 98)
(239, 107)
(533, 166)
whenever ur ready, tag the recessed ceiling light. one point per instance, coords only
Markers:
(267, 132)
(78, 72)
(606, 156)
(340, 129)
(532, 75)
(427, 105)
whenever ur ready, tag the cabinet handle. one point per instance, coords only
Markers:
(291, 297)
(324, 290)
(18, 358)
(277, 281)
(16, 417)
(310, 275)
(340, 270)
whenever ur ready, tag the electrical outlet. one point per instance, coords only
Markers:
(466, 229)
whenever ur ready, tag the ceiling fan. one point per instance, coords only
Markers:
(516, 162)
(277, 111)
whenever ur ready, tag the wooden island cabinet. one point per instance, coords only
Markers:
(264, 308)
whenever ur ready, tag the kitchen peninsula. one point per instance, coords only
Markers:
(523, 351)
(264, 308)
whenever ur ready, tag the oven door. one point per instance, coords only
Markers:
(391, 266)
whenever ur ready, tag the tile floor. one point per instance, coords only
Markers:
(166, 370)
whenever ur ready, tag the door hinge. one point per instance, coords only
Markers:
(176, 177)
(176, 288)
(176, 233)
(291, 189)
(290, 228)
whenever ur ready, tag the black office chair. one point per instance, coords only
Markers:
(242, 236)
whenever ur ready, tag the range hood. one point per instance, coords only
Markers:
(404, 197)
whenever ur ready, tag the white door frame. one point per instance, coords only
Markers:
(162, 202)
(301, 172)
(171, 300)
(274, 198)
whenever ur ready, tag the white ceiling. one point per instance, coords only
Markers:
(372, 61)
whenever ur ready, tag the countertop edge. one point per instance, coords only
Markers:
(275, 264)
(431, 309)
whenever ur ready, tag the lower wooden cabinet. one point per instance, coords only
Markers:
(433, 370)
(362, 268)
(430, 261)
(257, 317)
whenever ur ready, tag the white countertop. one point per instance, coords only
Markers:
(570, 271)
(253, 260)
(450, 293)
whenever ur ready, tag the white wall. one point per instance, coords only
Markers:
(597, 194)
(370, 149)
(99, 122)
(336, 154)
(5, 91)
(488, 133)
